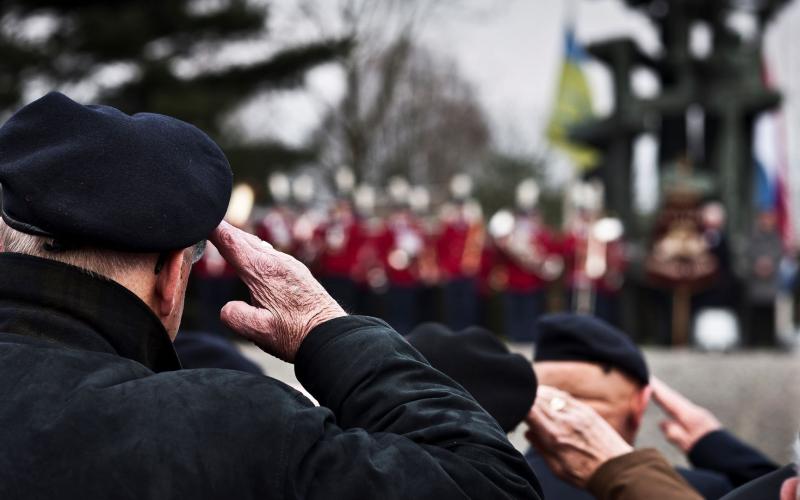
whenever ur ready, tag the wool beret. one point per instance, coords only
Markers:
(503, 383)
(578, 337)
(95, 176)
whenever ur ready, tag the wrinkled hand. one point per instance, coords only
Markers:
(287, 302)
(572, 438)
(687, 422)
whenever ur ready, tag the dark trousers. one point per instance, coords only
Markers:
(369, 301)
(605, 305)
(212, 294)
(401, 307)
(761, 325)
(521, 310)
(461, 303)
(343, 289)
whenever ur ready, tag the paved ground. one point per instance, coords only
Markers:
(754, 393)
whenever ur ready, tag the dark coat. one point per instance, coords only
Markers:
(722, 452)
(766, 487)
(721, 462)
(95, 405)
(710, 485)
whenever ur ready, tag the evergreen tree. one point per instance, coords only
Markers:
(168, 54)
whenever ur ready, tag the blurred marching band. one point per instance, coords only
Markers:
(393, 255)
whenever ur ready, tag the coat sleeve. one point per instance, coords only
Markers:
(391, 426)
(638, 475)
(723, 452)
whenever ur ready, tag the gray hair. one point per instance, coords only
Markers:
(108, 263)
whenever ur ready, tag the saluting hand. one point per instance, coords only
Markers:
(688, 422)
(287, 302)
(571, 436)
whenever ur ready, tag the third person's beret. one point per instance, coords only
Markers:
(580, 337)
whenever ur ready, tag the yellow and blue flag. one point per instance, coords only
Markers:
(573, 105)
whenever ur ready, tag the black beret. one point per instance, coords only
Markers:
(503, 383)
(579, 337)
(93, 175)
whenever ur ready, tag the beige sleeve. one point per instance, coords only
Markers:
(640, 475)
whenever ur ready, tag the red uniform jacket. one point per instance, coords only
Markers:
(341, 243)
(575, 249)
(541, 244)
(451, 248)
(401, 246)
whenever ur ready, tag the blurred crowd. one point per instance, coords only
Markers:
(399, 255)
(395, 256)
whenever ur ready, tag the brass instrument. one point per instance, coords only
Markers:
(408, 246)
(514, 239)
(594, 263)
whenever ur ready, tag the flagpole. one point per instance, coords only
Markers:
(571, 13)
(570, 17)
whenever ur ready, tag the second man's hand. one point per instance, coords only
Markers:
(687, 422)
(287, 302)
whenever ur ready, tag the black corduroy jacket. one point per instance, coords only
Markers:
(94, 404)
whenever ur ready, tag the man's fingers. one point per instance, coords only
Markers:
(231, 244)
(238, 247)
(545, 394)
(667, 398)
(253, 323)
(547, 426)
(673, 431)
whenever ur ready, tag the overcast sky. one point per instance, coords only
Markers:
(511, 52)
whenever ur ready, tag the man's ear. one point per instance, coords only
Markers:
(168, 282)
(639, 403)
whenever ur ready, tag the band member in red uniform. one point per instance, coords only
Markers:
(340, 240)
(401, 247)
(370, 270)
(419, 201)
(277, 223)
(594, 256)
(527, 260)
(460, 250)
(309, 218)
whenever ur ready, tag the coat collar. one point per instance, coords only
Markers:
(63, 304)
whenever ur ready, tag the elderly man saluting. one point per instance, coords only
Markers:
(103, 215)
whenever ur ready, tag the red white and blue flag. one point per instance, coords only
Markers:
(772, 169)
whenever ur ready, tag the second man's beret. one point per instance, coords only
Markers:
(579, 337)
